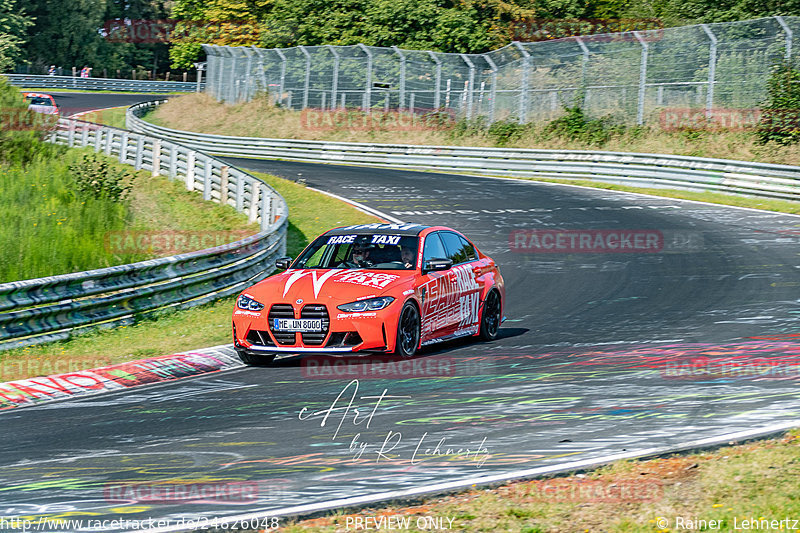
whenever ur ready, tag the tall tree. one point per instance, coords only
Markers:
(13, 25)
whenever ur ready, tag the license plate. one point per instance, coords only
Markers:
(296, 324)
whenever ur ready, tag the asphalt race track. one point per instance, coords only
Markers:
(71, 103)
(603, 353)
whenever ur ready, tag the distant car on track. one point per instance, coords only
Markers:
(387, 288)
(41, 103)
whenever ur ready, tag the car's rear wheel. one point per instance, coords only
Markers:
(407, 331)
(252, 359)
(490, 321)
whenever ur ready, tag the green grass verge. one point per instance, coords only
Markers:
(311, 213)
(112, 116)
(746, 482)
(48, 228)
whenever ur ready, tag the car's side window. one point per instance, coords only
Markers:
(469, 249)
(456, 247)
(433, 248)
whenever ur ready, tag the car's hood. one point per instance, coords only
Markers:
(338, 286)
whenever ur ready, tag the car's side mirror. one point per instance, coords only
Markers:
(283, 263)
(437, 264)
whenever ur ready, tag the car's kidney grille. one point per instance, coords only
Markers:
(320, 312)
(281, 311)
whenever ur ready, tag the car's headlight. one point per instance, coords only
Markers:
(248, 304)
(373, 304)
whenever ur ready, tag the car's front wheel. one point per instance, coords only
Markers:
(407, 331)
(490, 321)
(252, 359)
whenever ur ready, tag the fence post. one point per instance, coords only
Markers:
(493, 90)
(368, 84)
(282, 87)
(84, 134)
(223, 184)
(712, 68)
(788, 32)
(584, 60)
(470, 94)
(190, 170)
(156, 158)
(523, 93)
(248, 73)
(437, 89)
(402, 57)
(335, 81)
(307, 84)
(260, 53)
(642, 78)
(98, 138)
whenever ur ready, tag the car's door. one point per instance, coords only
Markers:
(433, 289)
(467, 284)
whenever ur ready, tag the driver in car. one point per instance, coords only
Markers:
(407, 257)
(359, 256)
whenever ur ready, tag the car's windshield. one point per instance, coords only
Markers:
(38, 100)
(371, 251)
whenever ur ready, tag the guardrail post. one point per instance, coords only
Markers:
(437, 89)
(493, 90)
(139, 155)
(335, 80)
(98, 138)
(173, 161)
(223, 184)
(190, 170)
(307, 81)
(239, 192)
(254, 191)
(272, 208)
(84, 134)
(266, 200)
(123, 147)
(368, 85)
(712, 68)
(109, 146)
(207, 178)
(402, 57)
(523, 93)
(71, 133)
(788, 33)
(156, 158)
(642, 78)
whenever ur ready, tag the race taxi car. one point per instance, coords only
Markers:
(41, 103)
(387, 288)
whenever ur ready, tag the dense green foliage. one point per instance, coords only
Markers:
(780, 119)
(440, 25)
(21, 131)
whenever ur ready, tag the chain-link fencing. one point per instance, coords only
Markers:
(630, 76)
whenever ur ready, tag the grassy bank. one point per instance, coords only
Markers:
(742, 483)
(112, 116)
(311, 213)
(49, 227)
(201, 113)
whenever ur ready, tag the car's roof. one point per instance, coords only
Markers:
(37, 95)
(380, 228)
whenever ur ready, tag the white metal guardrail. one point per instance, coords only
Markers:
(101, 84)
(645, 170)
(53, 308)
